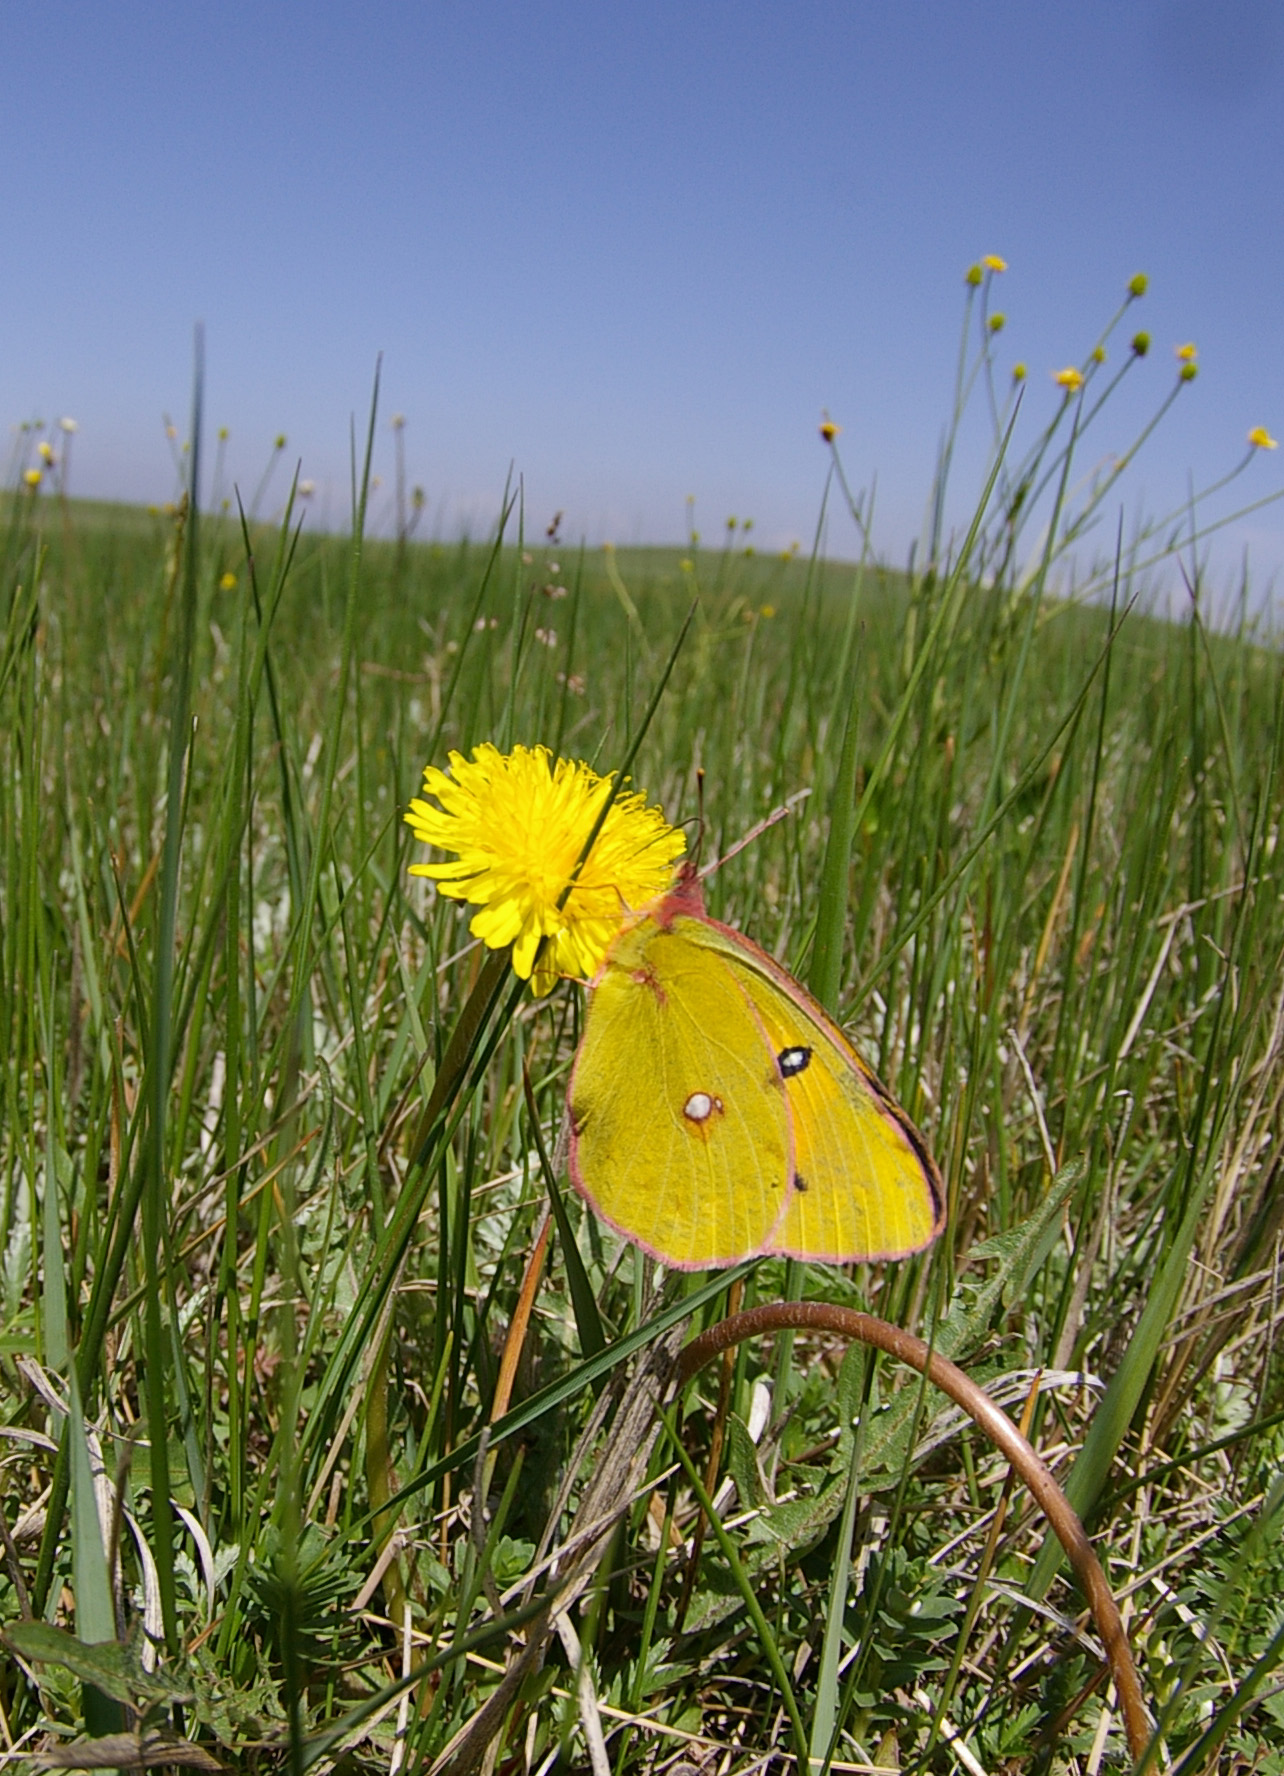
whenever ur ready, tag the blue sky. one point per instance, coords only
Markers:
(636, 250)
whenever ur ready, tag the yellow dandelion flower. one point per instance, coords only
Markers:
(1187, 353)
(1260, 439)
(227, 582)
(1069, 379)
(44, 450)
(32, 478)
(992, 262)
(517, 823)
(829, 431)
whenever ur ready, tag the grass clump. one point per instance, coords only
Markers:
(303, 1391)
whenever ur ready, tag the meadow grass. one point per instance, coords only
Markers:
(258, 1193)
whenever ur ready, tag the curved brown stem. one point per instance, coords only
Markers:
(780, 1316)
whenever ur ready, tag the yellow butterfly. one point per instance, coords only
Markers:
(716, 1111)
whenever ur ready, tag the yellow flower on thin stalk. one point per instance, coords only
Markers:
(992, 262)
(1069, 379)
(32, 478)
(1260, 439)
(517, 823)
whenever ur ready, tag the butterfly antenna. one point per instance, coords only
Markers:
(698, 846)
(783, 812)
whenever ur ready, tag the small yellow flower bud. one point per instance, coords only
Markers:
(222, 434)
(280, 441)
(1138, 284)
(1188, 372)
(1098, 354)
(1186, 353)
(974, 276)
(1069, 379)
(992, 262)
(32, 478)
(44, 450)
(829, 431)
(1019, 372)
(1140, 344)
(997, 323)
(1261, 439)
(227, 582)
(768, 611)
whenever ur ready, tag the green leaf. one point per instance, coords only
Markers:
(54, 1296)
(111, 1667)
(95, 1608)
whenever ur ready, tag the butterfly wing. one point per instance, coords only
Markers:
(865, 1185)
(680, 1130)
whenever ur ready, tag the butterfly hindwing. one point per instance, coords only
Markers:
(680, 1132)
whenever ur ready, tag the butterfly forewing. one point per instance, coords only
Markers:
(865, 1185)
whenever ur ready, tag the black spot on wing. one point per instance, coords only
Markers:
(792, 1061)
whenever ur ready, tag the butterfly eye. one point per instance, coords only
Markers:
(700, 1106)
(792, 1060)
